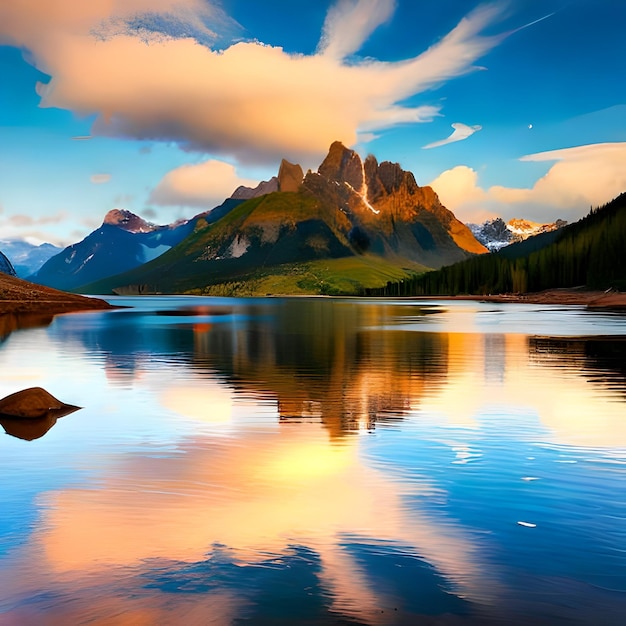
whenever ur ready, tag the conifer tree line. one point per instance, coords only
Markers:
(589, 253)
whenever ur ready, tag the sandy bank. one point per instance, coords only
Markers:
(20, 296)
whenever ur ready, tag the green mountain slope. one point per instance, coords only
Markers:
(590, 253)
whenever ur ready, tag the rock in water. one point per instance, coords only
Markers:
(33, 403)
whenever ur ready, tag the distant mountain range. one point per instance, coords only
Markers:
(26, 257)
(495, 234)
(349, 224)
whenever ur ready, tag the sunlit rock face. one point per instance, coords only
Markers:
(289, 176)
(384, 201)
(264, 187)
(128, 221)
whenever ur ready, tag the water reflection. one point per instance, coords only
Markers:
(321, 462)
(329, 364)
(28, 430)
(601, 360)
(10, 322)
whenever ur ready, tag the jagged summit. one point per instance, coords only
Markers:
(264, 187)
(496, 234)
(378, 196)
(289, 179)
(128, 221)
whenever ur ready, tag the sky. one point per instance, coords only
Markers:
(509, 108)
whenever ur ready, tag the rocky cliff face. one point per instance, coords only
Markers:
(391, 213)
(290, 176)
(128, 221)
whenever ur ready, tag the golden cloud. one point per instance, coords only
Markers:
(249, 100)
(581, 177)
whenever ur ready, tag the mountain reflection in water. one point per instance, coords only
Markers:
(318, 461)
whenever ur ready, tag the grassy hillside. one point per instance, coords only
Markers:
(343, 276)
(590, 252)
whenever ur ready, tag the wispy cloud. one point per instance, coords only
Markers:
(581, 177)
(250, 101)
(99, 179)
(350, 22)
(28, 220)
(202, 185)
(460, 132)
(28, 227)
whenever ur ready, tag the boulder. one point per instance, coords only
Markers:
(33, 403)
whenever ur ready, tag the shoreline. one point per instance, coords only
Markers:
(592, 299)
(18, 297)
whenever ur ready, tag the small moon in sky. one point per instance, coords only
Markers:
(530, 126)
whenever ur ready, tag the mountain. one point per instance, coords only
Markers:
(123, 241)
(351, 223)
(588, 253)
(289, 179)
(26, 257)
(5, 266)
(495, 234)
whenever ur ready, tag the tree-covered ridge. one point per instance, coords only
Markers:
(590, 252)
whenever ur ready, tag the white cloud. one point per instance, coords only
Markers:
(203, 185)
(460, 132)
(99, 179)
(251, 101)
(581, 177)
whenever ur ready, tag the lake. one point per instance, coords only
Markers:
(318, 461)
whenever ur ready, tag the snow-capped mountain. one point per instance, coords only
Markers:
(496, 234)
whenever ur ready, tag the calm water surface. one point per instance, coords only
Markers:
(317, 461)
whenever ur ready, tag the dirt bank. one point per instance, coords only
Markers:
(592, 299)
(20, 296)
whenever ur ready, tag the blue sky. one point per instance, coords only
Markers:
(164, 106)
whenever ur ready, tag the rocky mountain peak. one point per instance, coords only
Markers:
(264, 187)
(127, 220)
(496, 234)
(290, 176)
(342, 165)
